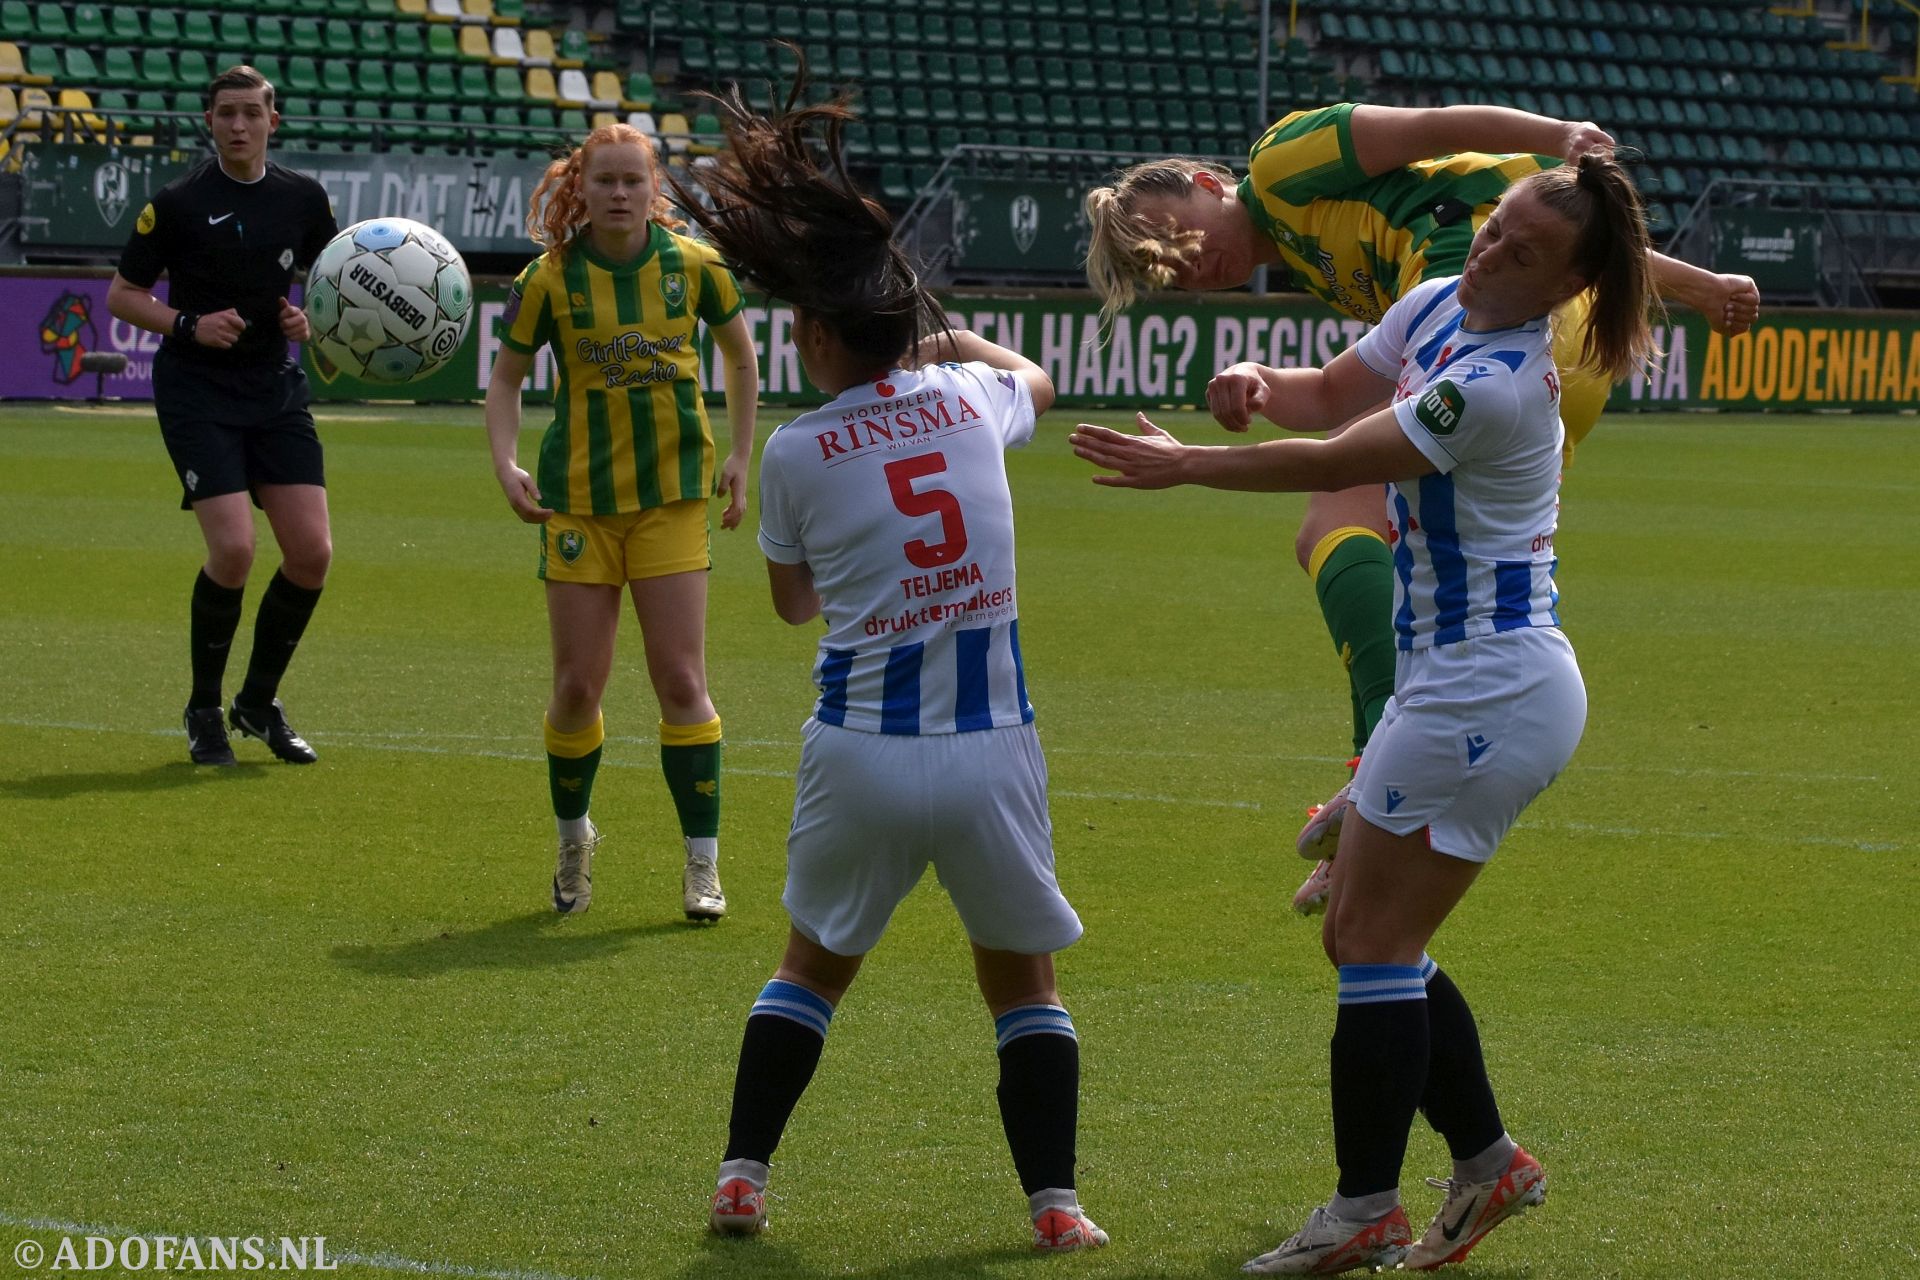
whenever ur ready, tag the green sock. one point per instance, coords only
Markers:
(572, 760)
(693, 778)
(1353, 578)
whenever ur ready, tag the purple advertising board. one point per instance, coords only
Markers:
(48, 323)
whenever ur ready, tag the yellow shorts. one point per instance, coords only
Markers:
(1583, 390)
(614, 550)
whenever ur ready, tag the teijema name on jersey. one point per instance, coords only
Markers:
(1473, 543)
(895, 495)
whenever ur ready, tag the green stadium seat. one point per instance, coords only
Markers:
(973, 108)
(442, 43)
(472, 81)
(16, 20)
(157, 70)
(78, 69)
(295, 122)
(409, 41)
(50, 23)
(303, 76)
(404, 123)
(117, 66)
(376, 40)
(507, 86)
(89, 23)
(197, 30)
(405, 84)
(270, 66)
(640, 92)
(336, 78)
(303, 36)
(337, 39)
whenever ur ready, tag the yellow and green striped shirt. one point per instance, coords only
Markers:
(1360, 242)
(629, 426)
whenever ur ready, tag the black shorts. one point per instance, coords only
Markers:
(232, 430)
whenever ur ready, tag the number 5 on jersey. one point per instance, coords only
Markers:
(927, 502)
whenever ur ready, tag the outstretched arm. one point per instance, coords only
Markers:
(1372, 451)
(1388, 138)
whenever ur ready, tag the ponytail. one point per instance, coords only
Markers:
(1610, 252)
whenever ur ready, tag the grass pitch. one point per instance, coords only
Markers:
(332, 1001)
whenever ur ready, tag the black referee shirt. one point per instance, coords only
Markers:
(225, 243)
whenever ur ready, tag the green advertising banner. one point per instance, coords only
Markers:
(1780, 249)
(1162, 354)
(88, 195)
(1010, 224)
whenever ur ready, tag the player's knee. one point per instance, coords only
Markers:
(229, 563)
(575, 697)
(1304, 542)
(307, 564)
(681, 689)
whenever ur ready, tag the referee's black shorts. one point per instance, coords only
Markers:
(230, 430)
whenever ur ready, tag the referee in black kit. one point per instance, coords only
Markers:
(232, 402)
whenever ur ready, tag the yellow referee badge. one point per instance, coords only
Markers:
(145, 223)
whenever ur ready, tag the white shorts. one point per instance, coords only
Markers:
(871, 810)
(1473, 732)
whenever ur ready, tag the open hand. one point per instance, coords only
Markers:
(1150, 460)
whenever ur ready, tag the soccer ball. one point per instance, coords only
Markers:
(389, 300)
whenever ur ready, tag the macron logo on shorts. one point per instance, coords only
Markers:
(1476, 747)
(1395, 799)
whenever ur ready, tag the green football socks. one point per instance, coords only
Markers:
(690, 757)
(572, 760)
(1352, 573)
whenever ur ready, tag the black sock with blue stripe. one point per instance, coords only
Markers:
(1039, 1093)
(1458, 1101)
(785, 1033)
(1379, 1073)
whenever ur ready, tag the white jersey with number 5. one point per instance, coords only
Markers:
(1473, 542)
(895, 495)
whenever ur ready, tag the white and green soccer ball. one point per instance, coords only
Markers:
(389, 300)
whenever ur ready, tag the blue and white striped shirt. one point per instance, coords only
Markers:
(895, 496)
(1473, 542)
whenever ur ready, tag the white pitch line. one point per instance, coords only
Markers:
(381, 1260)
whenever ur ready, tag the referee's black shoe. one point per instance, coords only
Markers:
(269, 724)
(207, 736)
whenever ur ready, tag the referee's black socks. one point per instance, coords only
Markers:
(284, 611)
(215, 617)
